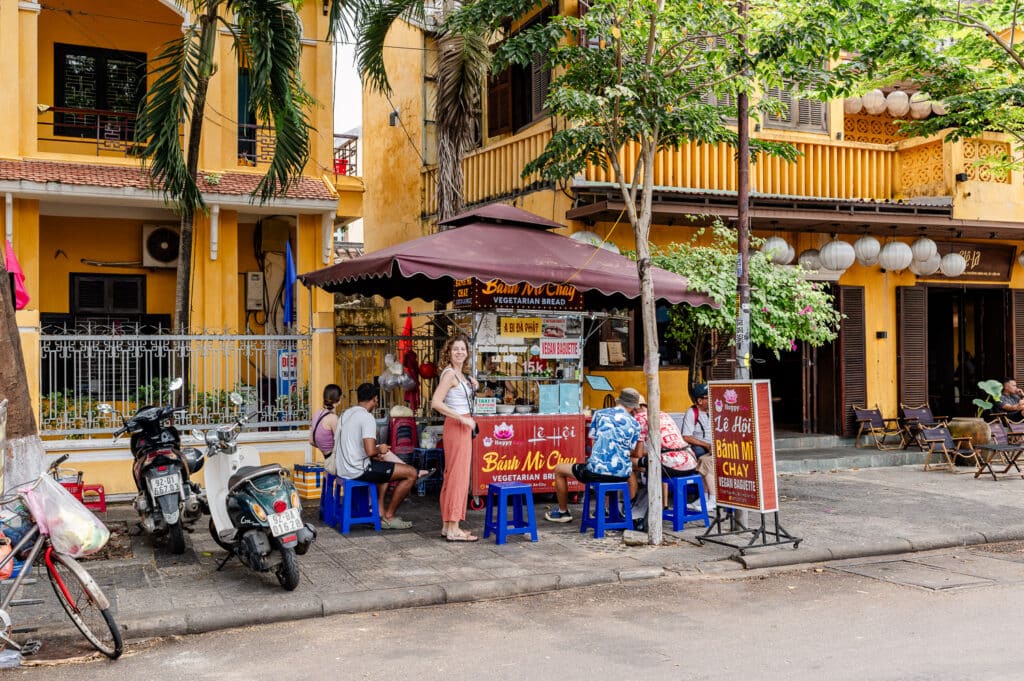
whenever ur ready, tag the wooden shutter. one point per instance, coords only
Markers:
(723, 366)
(912, 344)
(1015, 329)
(499, 104)
(811, 115)
(786, 97)
(853, 379)
(540, 82)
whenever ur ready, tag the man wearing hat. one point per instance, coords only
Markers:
(616, 438)
(696, 432)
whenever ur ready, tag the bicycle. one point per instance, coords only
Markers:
(78, 593)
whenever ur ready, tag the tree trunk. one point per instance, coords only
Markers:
(24, 456)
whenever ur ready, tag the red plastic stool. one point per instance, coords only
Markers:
(100, 504)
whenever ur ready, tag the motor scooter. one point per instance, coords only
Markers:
(167, 500)
(255, 512)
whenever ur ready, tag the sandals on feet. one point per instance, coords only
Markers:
(462, 536)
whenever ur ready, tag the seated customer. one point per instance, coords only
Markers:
(616, 436)
(677, 458)
(696, 432)
(357, 456)
(1011, 400)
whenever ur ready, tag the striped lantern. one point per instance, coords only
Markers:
(837, 255)
(953, 265)
(810, 260)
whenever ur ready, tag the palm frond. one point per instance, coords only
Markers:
(175, 75)
(375, 21)
(270, 38)
(343, 18)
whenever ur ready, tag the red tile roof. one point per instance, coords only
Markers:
(96, 175)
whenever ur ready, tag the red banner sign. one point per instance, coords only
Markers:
(526, 449)
(495, 294)
(743, 442)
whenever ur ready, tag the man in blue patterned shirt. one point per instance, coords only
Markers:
(616, 435)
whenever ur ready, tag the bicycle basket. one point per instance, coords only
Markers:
(73, 528)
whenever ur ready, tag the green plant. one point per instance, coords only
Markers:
(993, 389)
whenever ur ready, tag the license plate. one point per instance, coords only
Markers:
(283, 523)
(168, 484)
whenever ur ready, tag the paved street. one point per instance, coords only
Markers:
(933, 615)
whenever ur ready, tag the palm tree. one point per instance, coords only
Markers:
(463, 62)
(266, 35)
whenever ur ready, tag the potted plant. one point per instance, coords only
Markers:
(993, 389)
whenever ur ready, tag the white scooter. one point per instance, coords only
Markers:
(255, 512)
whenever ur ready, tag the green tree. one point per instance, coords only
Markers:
(643, 71)
(785, 307)
(966, 55)
(266, 35)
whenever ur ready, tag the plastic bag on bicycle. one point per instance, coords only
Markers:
(73, 528)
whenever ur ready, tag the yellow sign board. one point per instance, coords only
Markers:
(521, 327)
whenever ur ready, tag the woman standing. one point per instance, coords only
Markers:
(321, 435)
(454, 398)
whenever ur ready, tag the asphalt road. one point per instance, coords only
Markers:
(941, 616)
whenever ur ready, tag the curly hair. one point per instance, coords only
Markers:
(446, 352)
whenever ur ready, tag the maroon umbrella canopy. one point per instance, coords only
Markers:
(498, 242)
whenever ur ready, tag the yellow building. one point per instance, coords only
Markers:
(98, 243)
(906, 338)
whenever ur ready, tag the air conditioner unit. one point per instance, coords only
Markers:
(159, 246)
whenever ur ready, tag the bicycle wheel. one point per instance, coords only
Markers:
(84, 603)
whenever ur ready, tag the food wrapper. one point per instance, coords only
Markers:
(74, 530)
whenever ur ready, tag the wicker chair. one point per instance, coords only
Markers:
(879, 429)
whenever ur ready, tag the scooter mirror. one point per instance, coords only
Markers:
(104, 408)
(198, 434)
(176, 384)
(236, 399)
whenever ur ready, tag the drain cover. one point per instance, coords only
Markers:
(910, 573)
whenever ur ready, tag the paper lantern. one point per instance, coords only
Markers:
(777, 250)
(923, 249)
(1020, 259)
(852, 105)
(895, 256)
(898, 103)
(866, 250)
(920, 105)
(924, 268)
(953, 265)
(810, 260)
(837, 255)
(874, 101)
(939, 108)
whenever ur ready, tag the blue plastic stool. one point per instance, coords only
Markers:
(613, 515)
(499, 495)
(329, 500)
(358, 505)
(678, 513)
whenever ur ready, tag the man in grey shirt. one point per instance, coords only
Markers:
(357, 456)
(1011, 400)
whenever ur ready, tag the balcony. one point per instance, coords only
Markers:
(346, 156)
(92, 132)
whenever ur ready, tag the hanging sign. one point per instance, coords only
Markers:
(743, 443)
(521, 327)
(985, 262)
(559, 349)
(526, 449)
(475, 294)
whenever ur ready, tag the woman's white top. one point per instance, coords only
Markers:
(460, 395)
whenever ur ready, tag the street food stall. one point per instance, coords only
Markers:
(526, 297)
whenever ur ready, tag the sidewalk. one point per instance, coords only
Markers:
(843, 514)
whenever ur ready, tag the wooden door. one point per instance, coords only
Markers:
(851, 346)
(1015, 335)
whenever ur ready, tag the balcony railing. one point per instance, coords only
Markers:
(827, 169)
(80, 371)
(91, 131)
(346, 155)
(255, 144)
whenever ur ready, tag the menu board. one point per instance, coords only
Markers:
(743, 443)
(526, 450)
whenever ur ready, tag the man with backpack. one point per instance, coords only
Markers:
(696, 432)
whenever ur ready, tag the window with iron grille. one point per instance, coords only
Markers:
(106, 86)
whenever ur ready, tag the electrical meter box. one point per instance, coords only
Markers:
(253, 291)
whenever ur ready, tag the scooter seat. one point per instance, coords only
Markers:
(247, 473)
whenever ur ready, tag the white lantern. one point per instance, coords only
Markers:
(777, 250)
(790, 254)
(866, 250)
(837, 255)
(920, 105)
(953, 265)
(852, 105)
(809, 260)
(1020, 259)
(895, 256)
(924, 268)
(898, 103)
(874, 101)
(939, 108)
(923, 249)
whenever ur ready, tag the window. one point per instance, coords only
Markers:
(799, 114)
(246, 119)
(111, 295)
(107, 87)
(516, 96)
